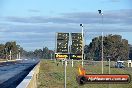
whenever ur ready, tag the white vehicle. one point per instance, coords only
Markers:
(119, 64)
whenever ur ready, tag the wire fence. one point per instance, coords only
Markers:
(107, 46)
(92, 67)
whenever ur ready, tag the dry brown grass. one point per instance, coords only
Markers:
(52, 76)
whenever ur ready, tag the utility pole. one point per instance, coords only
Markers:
(10, 54)
(82, 43)
(69, 46)
(65, 72)
(109, 65)
(102, 56)
(55, 47)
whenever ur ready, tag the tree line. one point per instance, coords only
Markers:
(9, 50)
(44, 53)
(114, 47)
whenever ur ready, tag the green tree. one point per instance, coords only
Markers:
(114, 46)
(2, 51)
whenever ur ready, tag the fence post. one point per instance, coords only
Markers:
(65, 73)
(72, 62)
(66, 62)
(62, 62)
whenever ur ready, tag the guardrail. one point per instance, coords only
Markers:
(30, 81)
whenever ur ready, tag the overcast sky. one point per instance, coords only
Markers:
(33, 23)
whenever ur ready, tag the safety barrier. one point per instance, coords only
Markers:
(30, 81)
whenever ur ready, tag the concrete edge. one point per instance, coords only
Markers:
(30, 80)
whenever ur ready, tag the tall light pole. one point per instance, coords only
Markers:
(10, 54)
(65, 72)
(102, 53)
(69, 47)
(82, 43)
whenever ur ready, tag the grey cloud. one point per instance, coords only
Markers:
(40, 28)
(26, 19)
(40, 31)
(110, 17)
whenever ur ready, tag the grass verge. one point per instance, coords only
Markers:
(52, 75)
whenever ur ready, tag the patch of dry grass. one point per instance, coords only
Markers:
(52, 76)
